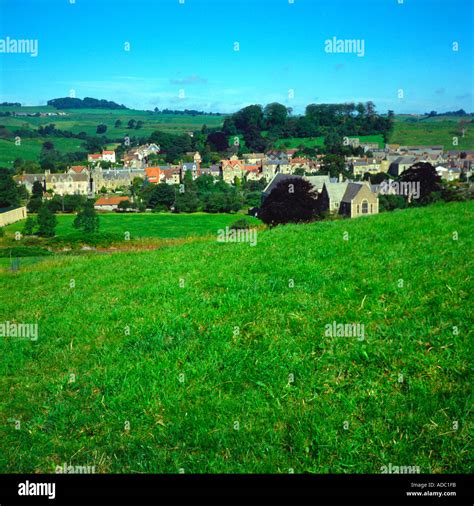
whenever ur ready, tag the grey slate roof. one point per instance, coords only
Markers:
(276, 162)
(190, 166)
(65, 178)
(316, 181)
(351, 191)
(336, 191)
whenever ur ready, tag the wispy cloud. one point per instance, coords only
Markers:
(194, 79)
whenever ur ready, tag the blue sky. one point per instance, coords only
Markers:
(188, 49)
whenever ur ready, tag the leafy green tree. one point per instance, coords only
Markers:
(427, 177)
(254, 139)
(299, 171)
(253, 199)
(101, 129)
(73, 203)
(28, 228)
(46, 222)
(124, 205)
(333, 142)
(334, 165)
(379, 178)
(391, 202)
(34, 205)
(136, 186)
(9, 192)
(94, 144)
(37, 190)
(275, 115)
(87, 218)
(250, 116)
(55, 205)
(186, 202)
(118, 124)
(204, 183)
(162, 196)
(215, 203)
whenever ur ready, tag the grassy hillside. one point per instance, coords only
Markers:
(30, 149)
(86, 120)
(197, 347)
(314, 142)
(428, 132)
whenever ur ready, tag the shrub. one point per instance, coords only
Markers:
(87, 218)
(29, 226)
(46, 222)
(240, 224)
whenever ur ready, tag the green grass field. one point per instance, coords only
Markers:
(430, 132)
(212, 357)
(86, 120)
(147, 225)
(436, 130)
(30, 149)
(314, 142)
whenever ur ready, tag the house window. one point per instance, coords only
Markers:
(365, 207)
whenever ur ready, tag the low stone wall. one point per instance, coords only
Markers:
(12, 216)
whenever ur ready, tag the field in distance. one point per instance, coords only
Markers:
(86, 120)
(162, 225)
(232, 370)
(408, 130)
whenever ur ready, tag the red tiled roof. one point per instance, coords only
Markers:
(153, 171)
(108, 152)
(251, 168)
(231, 162)
(78, 168)
(299, 160)
(110, 201)
(95, 155)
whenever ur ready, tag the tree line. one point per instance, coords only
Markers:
(86, 103)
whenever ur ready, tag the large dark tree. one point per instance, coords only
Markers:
(162, 197)
(254, 140)
(425, 174)
(275, 115)
(186, 202)
(218, 141)
(292, 201)
(250, 116)
(9, 193)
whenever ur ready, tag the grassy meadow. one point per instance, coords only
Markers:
(315, 142)
(30, 149)
(146, 225)
(428, 132)
(86, 120)
(212, 357)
